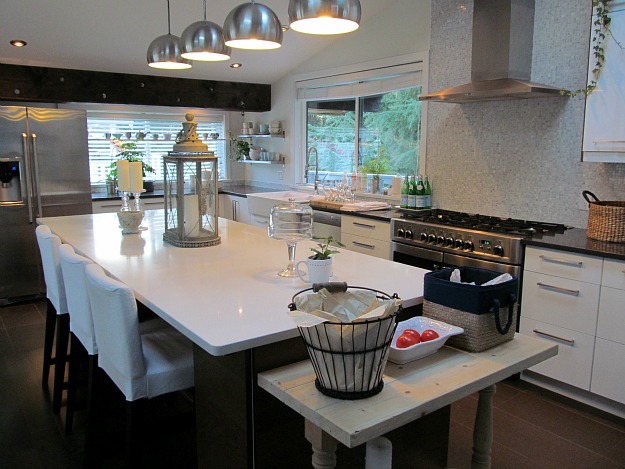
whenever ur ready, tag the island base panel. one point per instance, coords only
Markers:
(239, 425)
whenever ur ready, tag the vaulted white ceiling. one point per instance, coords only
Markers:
(113, 36)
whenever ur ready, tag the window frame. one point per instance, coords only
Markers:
(357, 81)
(168, 113)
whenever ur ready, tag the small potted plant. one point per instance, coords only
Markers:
(325, 252)
(320, 263)
(240, 149)
(376, 166)
(129, 151)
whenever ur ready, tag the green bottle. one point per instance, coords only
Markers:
(405, 190)
(412, 194)
(428, 193)
(420, 200)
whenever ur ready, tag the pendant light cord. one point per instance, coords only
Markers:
(168, 20)
(204, 10)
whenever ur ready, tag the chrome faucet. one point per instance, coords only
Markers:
(308, 165)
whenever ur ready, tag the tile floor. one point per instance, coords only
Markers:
(533, 429)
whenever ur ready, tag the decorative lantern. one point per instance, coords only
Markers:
(191, 199)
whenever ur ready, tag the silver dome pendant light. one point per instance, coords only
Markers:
(164, 51)
(324, 16)
(253, 26)
(204, 41)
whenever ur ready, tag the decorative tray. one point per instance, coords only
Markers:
(422, 349)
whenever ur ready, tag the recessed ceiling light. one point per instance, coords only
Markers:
(18, 43)
(236, 65)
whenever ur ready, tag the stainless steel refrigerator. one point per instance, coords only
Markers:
(44, 172)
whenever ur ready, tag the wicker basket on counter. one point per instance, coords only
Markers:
(606, 219)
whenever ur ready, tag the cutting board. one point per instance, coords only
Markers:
(326, 204)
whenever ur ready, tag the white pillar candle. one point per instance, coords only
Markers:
(123, 175)
(191, 216)
(136, 176)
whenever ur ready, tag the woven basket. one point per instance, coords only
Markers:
(480, 331)
(606, 219)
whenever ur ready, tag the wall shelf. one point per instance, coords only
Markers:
(260, 162)
(278, 135)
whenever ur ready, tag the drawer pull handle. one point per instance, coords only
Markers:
(568, 341)
(363, 245)
(560, 289)
(364, 225)
(562, 261)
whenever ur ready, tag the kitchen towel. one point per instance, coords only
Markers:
(365, 206)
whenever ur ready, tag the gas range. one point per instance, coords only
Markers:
(475, 236)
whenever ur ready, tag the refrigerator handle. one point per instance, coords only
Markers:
(36, 173)
(29, 192)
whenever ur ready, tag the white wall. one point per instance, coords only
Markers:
(403, 28)
(518, 159)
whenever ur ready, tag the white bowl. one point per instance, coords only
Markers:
(422, 349)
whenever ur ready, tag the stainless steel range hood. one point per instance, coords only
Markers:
(501, 64)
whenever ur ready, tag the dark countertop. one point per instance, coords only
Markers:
(382, 215)
(102, 196)
(575, 240)
(242, 190)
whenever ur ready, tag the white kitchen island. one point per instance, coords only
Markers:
(229, 300)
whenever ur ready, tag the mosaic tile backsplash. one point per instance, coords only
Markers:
(518, 159)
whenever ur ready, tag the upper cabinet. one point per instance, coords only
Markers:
(604, 123)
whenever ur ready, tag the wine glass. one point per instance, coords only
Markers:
(290, 223)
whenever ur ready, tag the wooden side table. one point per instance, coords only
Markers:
(410, 392)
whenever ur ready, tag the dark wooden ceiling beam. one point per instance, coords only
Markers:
(57, 85)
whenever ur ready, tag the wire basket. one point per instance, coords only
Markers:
(349, 358)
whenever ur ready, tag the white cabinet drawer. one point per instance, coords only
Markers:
(259, 220)
(614, 273)
(365, 227)
(560, 301)
(611, 321)
(373, 247)
(608, 371)
(564, 264)
(573, 364)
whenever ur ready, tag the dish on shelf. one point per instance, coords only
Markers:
(401, 356)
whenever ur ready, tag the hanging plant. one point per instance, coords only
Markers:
(600, 30)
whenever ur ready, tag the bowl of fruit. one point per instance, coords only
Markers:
(419, 337)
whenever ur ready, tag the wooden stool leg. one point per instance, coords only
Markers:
(483, 429)
(62, 338)
(47, 343)
(134, 418)
(94, 413)
(76, 354)
(323, 445)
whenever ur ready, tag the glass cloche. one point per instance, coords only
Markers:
(290, 222)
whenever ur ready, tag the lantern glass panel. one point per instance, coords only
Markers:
(190, 186)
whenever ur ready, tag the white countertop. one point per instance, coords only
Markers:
(225, 298)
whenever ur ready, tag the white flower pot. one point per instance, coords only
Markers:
(318, 271)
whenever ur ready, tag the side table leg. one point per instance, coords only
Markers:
(323, 445)
(483, 429)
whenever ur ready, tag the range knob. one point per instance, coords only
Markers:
(400, 233)
(408, 234)
(431, 238)
(469, 246)
(424, 236)
(498, 250)
(440, 240)
(458, 243)
(449, 241)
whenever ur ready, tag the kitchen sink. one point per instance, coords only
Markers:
(260, 203)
